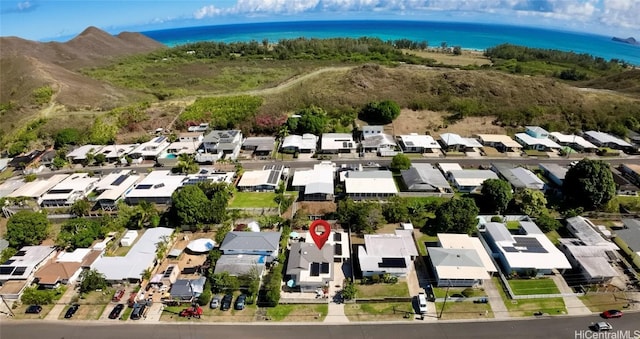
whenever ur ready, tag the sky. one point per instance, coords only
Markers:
(47, 20)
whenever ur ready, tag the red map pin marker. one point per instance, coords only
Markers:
(320, 238)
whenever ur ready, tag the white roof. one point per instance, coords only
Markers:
(395, 245)
(10, 186)
(448, 167)
(471, 177)
(607, 138)
(260, 177)
(457, 263)
(80, 153)
(76, 256)
(76, 183)
(417, 140)
(37, 188)
(21, 265)
(537, 129)
(140, 257)
(571, 139)
(117, 150)
(463, 241)
(317, 180)
(156, 184)
(378, 140)
(455, 139)
(334, 141)
(114, 185)
(531, 141)
(370, 182)
(533, 250)
(180, 147)
(305, 141)
(152, 147)
(499, 138)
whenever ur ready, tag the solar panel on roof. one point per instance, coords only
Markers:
(527, 242)
(536, 250)
(20, 254)
(393, 263)
(337, 236)
(143, 187)
(409, 143)
(168, 272)
(6, 270)
(273, 177)
(510, 249)
(324, 267)
(19, 270)
(315, 269)
(119, 180)
(337, 250)
(8, 262)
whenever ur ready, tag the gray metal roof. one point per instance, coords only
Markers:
(425, 177)
(519, 177)
(556, 170)
(583, 230)
(630, 234)
(260, 143)
(240, 264)
(498, 231)
(303, 254)
(238, 241)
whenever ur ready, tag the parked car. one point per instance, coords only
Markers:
(115, 313)
(215, 302)
(240, 301)
(602, 326)
(71, 311)
(481, 301)
(33, 309)
(226, 302)
(422, 303)
(611, 314)
(118, 295)
(138, 311)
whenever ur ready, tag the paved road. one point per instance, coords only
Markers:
(557, 327)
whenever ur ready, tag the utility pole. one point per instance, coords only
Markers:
(446, 294)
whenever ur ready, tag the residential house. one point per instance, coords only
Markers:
(117, 152)
(75, 187)
(23, 161)
(112, 187)
(535, 143)
(259, 146)
(170, 155)
(554, 172)
(265, 244)
(80, 154)
(446, 168)
(316, 184)
(338, 239)
(10, 186)
(387, 254)
(221, 144)
(369, 184)
(141, 256)
(602, 139)
(631, 171)
(415, 143)
(422, 177)
(456, 143)
(208, 175)
(383, 145)
(460, 261)
(576, 142)
(529, 252)
(623, 185)
(519, 177)
(150, 150)
(157, 187)
(195, 137)
(536, 132)
(37, 188)
(589, 252)
(469, 181)
(372, 130)
(337, 143)
(186, 290)
(66, 267)
(310, 268)
(501, 142)
(305, 143)
(629, 238)
(17, 273)
(266, 180)
(237, 265)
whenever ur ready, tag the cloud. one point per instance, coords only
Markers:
(616, 13)
(20, 7)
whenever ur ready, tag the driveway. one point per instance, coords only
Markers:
(573, 304)
(54, 314)
(495, 299)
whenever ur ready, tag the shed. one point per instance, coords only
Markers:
(128, 238)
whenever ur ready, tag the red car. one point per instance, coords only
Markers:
(611, 314)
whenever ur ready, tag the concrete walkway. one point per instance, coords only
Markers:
(336, 314)
(573, 304)
(495, 300)
(54, 314)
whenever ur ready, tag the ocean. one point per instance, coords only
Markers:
(466, 35)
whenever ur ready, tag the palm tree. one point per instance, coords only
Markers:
(187, 164)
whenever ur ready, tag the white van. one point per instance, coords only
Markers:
(422, 303)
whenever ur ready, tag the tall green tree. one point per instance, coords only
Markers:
(496, 194)
(396, 209)
(91, 280)
(186, 164)
(80, 233)
(81, 207)
(27, 228)
(456, 216)
(589, 184)
(531, 202)
(360, 216)
(400, 162)
(190, 205)
(380, 111)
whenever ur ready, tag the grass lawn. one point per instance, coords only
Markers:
(92, 305)
(535, 153)
(253, 200)
(381, 290)
(378, 311)
(121, 251)
(126, 313)
(527, 307)
(19, 312)
(554, 237)
(440, 292)
(422, 248)
(604, 301)
(533, 286)
(513, 225)
(464, 310)
(298, 312)
(6, 174)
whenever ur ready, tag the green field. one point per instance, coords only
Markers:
(533, 286)
(527, 307)
(463, 310)
(382, 290)
(379, 311)
(298, 312)
(253, 200)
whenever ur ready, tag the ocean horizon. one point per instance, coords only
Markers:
(472, 36)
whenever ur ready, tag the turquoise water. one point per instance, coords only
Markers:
(171, 156)
(467, 35)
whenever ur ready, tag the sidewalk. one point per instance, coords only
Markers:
(573, 304)
(496, 303)
(54, 314)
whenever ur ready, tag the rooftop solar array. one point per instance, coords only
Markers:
(6, 270)
(315, 269)
(337, 236)
(119, 180)
(19, 270)
(143, 187)
(168, 272)
(393, 263)
(525, 245)
(324, 268)
(274, 176)
(337, 250)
